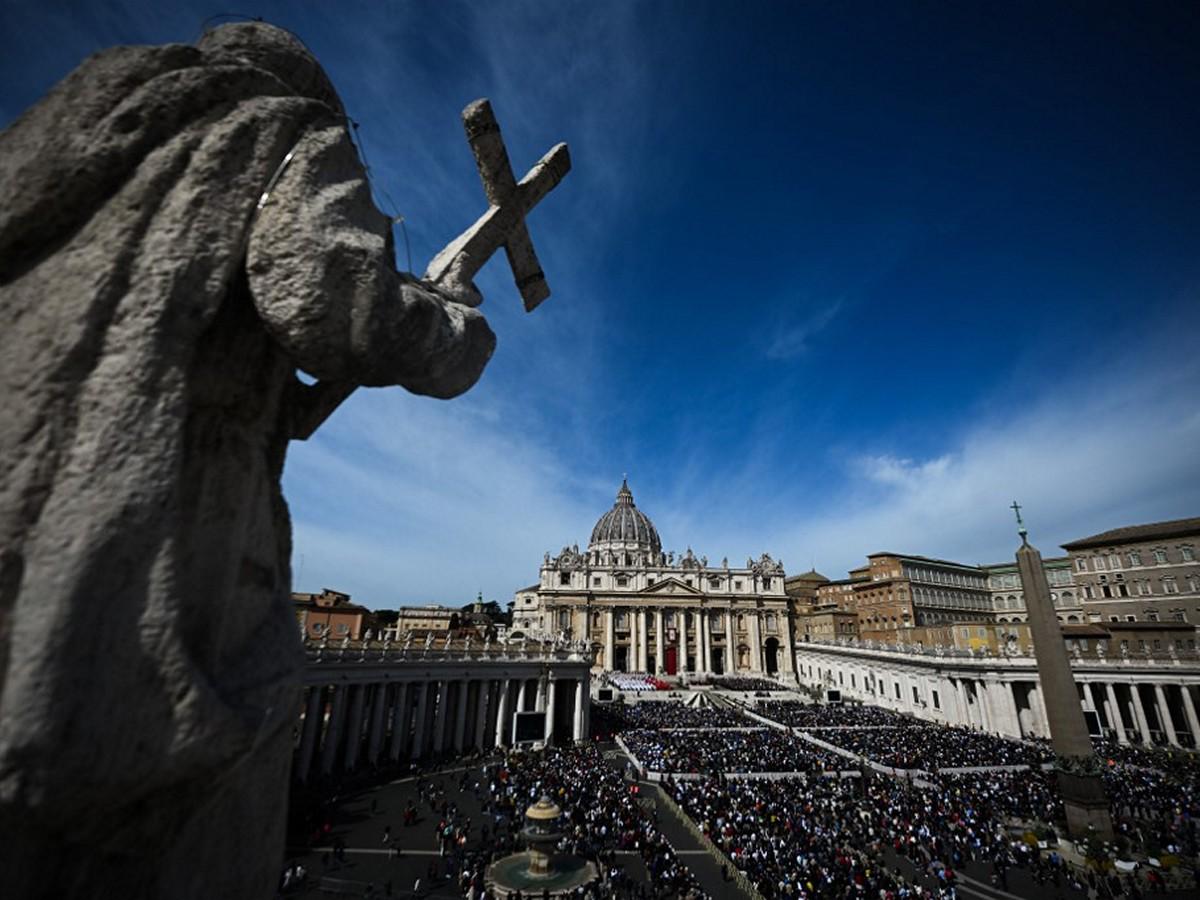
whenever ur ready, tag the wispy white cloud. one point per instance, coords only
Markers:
(794, 339)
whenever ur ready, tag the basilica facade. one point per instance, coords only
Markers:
(661, 613)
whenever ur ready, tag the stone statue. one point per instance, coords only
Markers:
(183, 229)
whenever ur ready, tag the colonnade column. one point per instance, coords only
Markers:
(482, 700)
(1189, 711)
(418, 745)
(1164, 716)
(1087, 695)
(354, 732)
(400, 719)
(701, 640)
(520, 707)
(631, 650)
(1139, 713)
(441, 722)
(964, 708)
(577, 732)
(610, 640)
(502, 713)
(460, 714)
(550, 692)
(333, 733)
(378, 708)
(539, 701)
(1117, 721)
(312, 728)
(660, 657)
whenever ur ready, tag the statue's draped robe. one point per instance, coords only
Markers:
(152, 326)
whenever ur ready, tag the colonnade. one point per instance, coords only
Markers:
(1151, 703)
(357, 714)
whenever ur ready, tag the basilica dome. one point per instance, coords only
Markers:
(625, 527)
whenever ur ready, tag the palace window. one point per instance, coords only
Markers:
(1170, 586)
(1114, 561)
(1188, 553)
(714, 583)
(622, 581)
(1160, 556)
(564, 577)
(1081, 564)
(1135, 558)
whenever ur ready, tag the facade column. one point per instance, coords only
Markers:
(789, 653)
(549, 706)
(755, 642)
(400, 721)
(1041, 722)
(1139, 713)
(539, 703)
(1007, 702)
(701, 640)
(520, 707)
(378, 708)
(502, 730)
(660, 653)
(418, 745)
(333, 734)
(1189, 712)
(681, 661)
(482, 701)
(1164, 716)
(631, 659)
(354, 732)
(643, 641)
(610, 640)
(577, 733)
(730, 661)
(460, 714)
(313, 711)
(1116, 720)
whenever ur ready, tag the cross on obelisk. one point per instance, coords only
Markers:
(503, 225)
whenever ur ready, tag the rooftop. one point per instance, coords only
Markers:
(1150, 532)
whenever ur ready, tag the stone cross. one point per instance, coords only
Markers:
(503, 225)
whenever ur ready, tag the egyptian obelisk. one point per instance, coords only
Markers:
(1075, 762)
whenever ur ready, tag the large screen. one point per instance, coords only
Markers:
(529, 726)
(832, 696)
(1093, 723)
(604, 695)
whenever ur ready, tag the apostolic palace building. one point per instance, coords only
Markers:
(660, 613)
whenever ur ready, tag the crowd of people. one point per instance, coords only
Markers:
(660, 714)
(936, 747)
(727, 751)
(743, 683)
(795, 714)
(602, 815)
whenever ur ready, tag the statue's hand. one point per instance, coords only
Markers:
(466, 295)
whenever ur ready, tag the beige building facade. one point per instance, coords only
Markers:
(661, 613)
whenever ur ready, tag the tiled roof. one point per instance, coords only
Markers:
(1153, 531)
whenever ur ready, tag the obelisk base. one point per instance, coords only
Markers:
(1086, 806)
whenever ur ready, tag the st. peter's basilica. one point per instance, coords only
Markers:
(660, 613)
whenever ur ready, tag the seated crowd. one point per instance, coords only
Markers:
(813, 837)
(743, 683)
(935, 747)
(759, 750)
(795, 714)
(659, 714)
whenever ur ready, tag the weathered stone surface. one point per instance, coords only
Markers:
(153, 323)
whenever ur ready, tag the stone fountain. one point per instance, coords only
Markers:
(539, 869)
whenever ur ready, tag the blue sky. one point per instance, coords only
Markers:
(829, 278)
